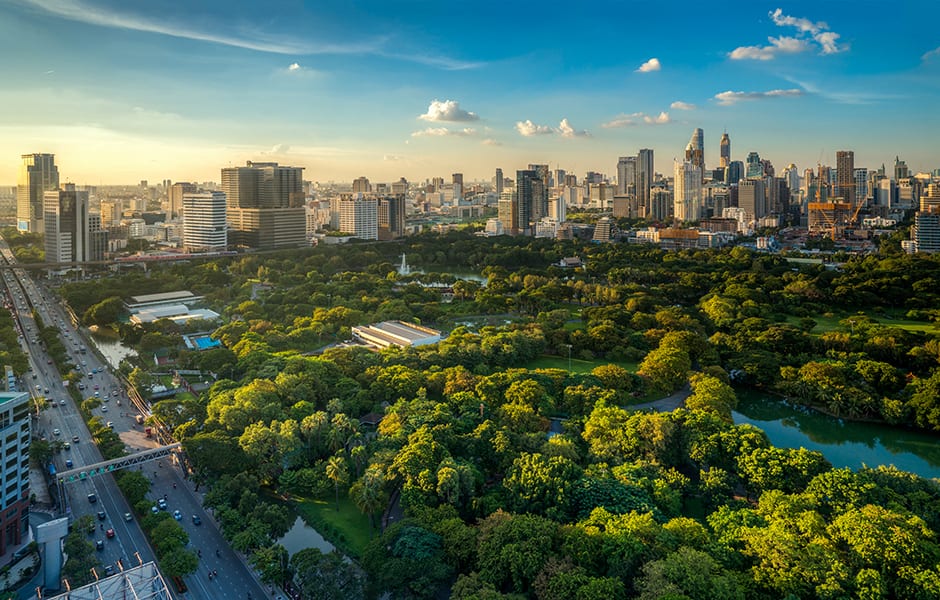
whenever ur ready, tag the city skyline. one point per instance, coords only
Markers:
(164, 91)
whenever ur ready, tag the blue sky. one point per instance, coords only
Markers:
(128, 90)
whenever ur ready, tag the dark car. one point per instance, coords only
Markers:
(101, 515)
(99, 545)
(92, 498)
(197, 520)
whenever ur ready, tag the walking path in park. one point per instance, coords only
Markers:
(667, 404)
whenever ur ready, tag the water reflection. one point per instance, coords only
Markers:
(301, 536)
(844, 443)
(111, 348)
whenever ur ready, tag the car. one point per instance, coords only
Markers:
(81, 386)
(56, 431)
(162, 503)
(154, 509)
(66, 446)
(97, 394)
(75, 438)
(38, 387)
(101, 515)
(109, 570)
(114, 393)
(177, 515)
(104, 408)
(62, 402)
(99, 545)
(92, 498)
(96, 387)
(68, 463)
(197, 520)
(109, 533)
(46, 390)
(128, 517)
(110, 424)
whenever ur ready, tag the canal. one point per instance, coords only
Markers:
(843, 443)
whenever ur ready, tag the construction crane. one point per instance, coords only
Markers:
(834, 214)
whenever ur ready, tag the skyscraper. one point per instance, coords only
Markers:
(38, 174)
(695, 151)
(900, 169)
(70, 233)
(626, 176)
(526, 189)
(687, 197)
(359, 216)
(754, 166)
(14, 504)
(265, 205)
(724, 150)
(499, 182)
(204, 221)
(391, 217)
(752, 198)
(644, 176)
(175, 198)
(845, 175)
(361, 185)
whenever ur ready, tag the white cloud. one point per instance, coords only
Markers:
(662, 119)
(931, 54)
(809, 31)
(680, 105)
(618, 122)
(491, 142)
(294, 67)
(650, 66)
(444, 132)
(392, 158)
(637, 118)
(448, 110)
(728, 98)
(567, 131)
(778, 45)
(527, 128)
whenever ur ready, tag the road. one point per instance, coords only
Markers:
(234, 579)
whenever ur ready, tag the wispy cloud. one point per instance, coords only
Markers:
(637, 118)
(728, 98)
(444, 132)
(392, 158)
(650, 66)
(448, 110)
(680, 105)
(845, 94)
(86, 12)
(931, 54)
(491, 142)
(810, 35)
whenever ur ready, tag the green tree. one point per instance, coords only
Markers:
(179, 562)
(665, 368)
(326, 576)
(272, 563)
(688, 573)
(338, 473)
(711, 394)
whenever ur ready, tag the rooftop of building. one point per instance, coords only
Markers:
(161, 297)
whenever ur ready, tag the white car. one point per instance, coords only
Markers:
(56, 432)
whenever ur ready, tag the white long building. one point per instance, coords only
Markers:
(204, 221)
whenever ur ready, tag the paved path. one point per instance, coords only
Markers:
(667, 404)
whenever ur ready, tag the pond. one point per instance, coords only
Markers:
(843, 443)
(111, 348)
(301, 536)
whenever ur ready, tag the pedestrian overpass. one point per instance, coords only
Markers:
(109, 466)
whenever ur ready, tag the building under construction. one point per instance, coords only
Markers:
(830, 219)
(143, 582)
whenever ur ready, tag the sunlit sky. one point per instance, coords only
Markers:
(123, 90)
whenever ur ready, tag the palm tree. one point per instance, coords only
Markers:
(369, 492)
(338, 473)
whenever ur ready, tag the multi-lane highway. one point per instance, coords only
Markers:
(61, 421)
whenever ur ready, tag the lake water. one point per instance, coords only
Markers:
(301, 536)
(111, 348)
(843, 443)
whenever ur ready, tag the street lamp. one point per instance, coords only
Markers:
(569, 357)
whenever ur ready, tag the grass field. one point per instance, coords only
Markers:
(577, 365)
(830, 322)
(348, 529)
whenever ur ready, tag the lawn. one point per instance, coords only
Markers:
(830, 322)
(577, 365)
(348, 529)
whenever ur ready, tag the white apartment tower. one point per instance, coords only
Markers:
(359, 216)
(687, 198)
(204, 221)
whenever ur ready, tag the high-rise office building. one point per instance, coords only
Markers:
(14, 478)
(861, 184)
(175, 198)
(644, 176)
(359, 216)
(400, 187)
(265, 205)
(65, 219)
(926, 232)
(687, 196)
(457, 179)
(205, 226)
(752, 198)
(755, 169)
(361, 185)
(391, 217)
(724, 150)
(38, 174)
(111, 212)
(508, 212)
(526, 190)
(560, 175)
(845, 175)
(734, 172)
(695, 151)
(900, 169)
(626, 176)
(498, 182)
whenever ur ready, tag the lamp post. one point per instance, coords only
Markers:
(569, 357)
